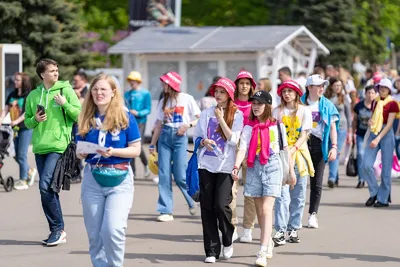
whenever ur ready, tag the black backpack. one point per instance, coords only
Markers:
(67, 167)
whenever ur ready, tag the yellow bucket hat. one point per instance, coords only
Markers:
(134, 76)
(153, 163)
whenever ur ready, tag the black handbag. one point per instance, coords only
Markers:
(352, 168)
(67, 167)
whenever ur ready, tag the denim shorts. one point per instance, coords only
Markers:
(264, 180)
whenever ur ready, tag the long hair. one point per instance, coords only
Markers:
(297, 103)
(267, 84)
(251, 92)
(172, 95)
(116, 117)
(267, 114)
(330, 91)
(229, 116)
(26, 84)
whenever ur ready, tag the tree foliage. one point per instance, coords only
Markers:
(45, 29)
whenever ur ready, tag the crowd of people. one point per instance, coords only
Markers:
(275, 151)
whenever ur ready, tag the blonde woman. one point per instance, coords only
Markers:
(107, 187)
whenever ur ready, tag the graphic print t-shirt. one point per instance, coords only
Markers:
(318, 124)
(215, 136)
(179, 112)
(363, 116)
(16, 107)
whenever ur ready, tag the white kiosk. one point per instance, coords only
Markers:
(200, 53)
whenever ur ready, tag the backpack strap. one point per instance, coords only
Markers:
(280, 135)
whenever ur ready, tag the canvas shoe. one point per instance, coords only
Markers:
(21, 185)
(211, 259)
(246, 236)
(313, 221)
(165, 218)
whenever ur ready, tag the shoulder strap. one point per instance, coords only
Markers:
(63, 111)
(280, 135)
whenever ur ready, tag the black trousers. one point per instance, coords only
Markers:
(215, 197)
(315, 147)
(142, 128)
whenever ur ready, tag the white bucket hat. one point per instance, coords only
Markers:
(384, 82)
(316, 79)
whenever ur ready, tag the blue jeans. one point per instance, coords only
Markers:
(396, 138)
(21, 143)
(360, 157)
(289, 207)
(172, 159)
(334, 165)
(386, 145)
(51, 205)
(105, 212)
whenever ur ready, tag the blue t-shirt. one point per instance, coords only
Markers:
(139, 100)
(119, 139)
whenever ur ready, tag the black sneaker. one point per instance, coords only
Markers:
(360, 184)
(331, 184)
(279, 239)
(293, 237)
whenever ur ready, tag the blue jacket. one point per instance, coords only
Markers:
(327, 110)
(139, 100)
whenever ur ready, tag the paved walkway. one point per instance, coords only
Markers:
(350, 234)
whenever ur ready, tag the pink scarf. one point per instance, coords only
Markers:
(264, 135)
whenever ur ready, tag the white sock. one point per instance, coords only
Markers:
(263, 248)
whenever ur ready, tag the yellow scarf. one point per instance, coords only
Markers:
(377, 117)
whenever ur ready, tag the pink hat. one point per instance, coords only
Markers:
(292, 85)
(227, 84)
(246, 75)
(173, 79)
(377, 77)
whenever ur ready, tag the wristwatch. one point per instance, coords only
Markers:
(190, 125)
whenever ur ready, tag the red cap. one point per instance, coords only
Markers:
(173, 79)
(246, 75)
(227, 84)
(292, 85)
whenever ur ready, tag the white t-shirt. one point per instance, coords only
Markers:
(206, 128)
(273, 138)
(318, 124)
(178, 112)
(294, 126)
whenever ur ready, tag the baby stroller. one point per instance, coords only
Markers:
(6, 149)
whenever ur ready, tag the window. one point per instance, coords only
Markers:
(155, 70)
(233, 68)
(199, 77)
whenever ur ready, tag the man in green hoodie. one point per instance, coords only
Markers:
(51, 136)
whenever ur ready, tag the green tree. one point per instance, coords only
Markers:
(224, 12)
(331, 22)
(44, 28)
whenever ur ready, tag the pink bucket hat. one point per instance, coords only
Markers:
(227, 84)
(246, 75)
(173, 79)
(377, 77)
(292, 85)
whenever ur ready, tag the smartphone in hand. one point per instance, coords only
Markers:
(40, 109)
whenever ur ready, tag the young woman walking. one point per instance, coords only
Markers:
(107, 186)
(290, 205)
(322, 143)
(220, 128)
(264, 173)
(176, 113)
(380, 137)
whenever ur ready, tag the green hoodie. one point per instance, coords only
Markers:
(51, 135)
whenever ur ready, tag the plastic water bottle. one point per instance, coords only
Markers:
(218, 152)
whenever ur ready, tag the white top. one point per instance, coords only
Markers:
(294, 126)
(206, 128)
(273, 138)
(318, 124)
(178, 113)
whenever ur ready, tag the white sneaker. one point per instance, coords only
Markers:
(279, 238)
(193, 210)
(210, 260)
(147, 172)
(261, 259)
(21, 185)
(165, 218)
(313, 221)
(31, 176)
(156, 180)
(270, 249)
(246, 236)
(228, 252)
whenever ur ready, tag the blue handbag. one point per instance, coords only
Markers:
(192, 174)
